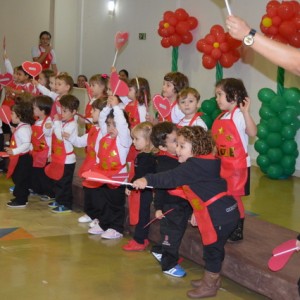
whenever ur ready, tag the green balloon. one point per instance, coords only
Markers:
(288, 132)
(264, 169)
(265, 95)
(275, 171)
(274, 155)
(262, 131)
(288, 161)
(289, 147)
(289, 171)
(292, 96)
(215, 113)
(208, 106)
(296, 124)
(274, 139)
(274, 124)
(207, 120)
(288, 116)
(266, 113)
(278, 104)
(263, 161)
(296, 154)
(261, 146)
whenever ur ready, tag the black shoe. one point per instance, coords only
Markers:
(15, 204)
(237, 234)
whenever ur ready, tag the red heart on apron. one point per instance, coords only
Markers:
(32, 68)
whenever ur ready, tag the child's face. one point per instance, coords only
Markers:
(97, 89)
(139, 141)
(37, 112)
(52, 83)
(188, 105)
(168, 90)
(122, 76)
(42, 79)
(184, 149)
(131, 93)
(222, 101)
(171, 142)
(95, 114)
(14, 118)
(61, 87)
(111, 128)
(66, 114)
(21, 77)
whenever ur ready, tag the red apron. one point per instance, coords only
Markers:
(110, 163)
(13, 159)
(56, 108)
(40, 147)
(133, 113)
(232, 154)
(196, 115)
(55, 169)
(46, 63)
(88, 114)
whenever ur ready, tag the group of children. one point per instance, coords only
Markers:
(196, 173)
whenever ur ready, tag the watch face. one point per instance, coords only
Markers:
(248, 40)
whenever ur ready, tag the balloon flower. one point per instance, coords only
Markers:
(282, 22)
(218, 47)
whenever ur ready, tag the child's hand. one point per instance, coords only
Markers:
(65, 135)
(245, 106)
(193, 220)
(298, 245)
(127, 192)
(48, 125)
(150, 118)
(159, 214)
(34, 82)
(12, 129)
(56, 117)
(112, 101)
(140, 183)
(113, 69)
(8, 150)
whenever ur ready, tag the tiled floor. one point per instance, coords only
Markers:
(63, 262)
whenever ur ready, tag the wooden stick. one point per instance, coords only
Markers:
(228, 8)
(286, 251)
(168, 211)
(116, 54)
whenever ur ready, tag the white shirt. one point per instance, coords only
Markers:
(176, 114)
(36, 52)
(197, 122)
(43, 90)
(22, 137)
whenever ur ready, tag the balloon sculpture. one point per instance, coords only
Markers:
(175, 29)
(218, 46)
(282, 22)
(210, 110)
(276, 132)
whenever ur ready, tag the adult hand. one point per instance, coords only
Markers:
(159, 214)
(140, 183)
(237, 27)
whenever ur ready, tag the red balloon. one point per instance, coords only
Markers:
(182, 28)
(170, 30)
(221, 37)
(273, 30)
(216, 53)
(173, 20)
(224, 47)
(165, 42)
(294, 40)
(163, 32)
(167, 15)
(276, 21)
(286, 10)
(181, 14)
(208, 62)
(280, 39)
(203, 47)
(272, 8)
(210, 39)
(161, 24)
(217, 30)
(297, 22)
(193, 22)
(187, 38)
(296, 5)
(170, 17)
(287, 29)
(233, 43)
(175, 40)
(227, 60)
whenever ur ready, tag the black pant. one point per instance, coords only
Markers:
(41, 183)
(63, 187)
(113, 215)
(141, 233)
(94, 204)
(1, 149)
(214, 254)
(172, 229)
(21, 178)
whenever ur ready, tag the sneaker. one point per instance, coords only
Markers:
(177, 271)
(133, 245)
(33, 193)
(11, 189)
(111, 234)
(94, 223)
(14, 204)
(158, 256)
(46, 198)
(96, 230)
(84, 219)
(61, 209)
(53, 204)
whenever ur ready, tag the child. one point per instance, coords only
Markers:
(113, 150)
(139, 206)
(139, 95)
(63, 159)
(41, 143)
(173, 83)
(124, 75)
(91, 142)
(215, 212)
(46, 83)
(20, 162)
(189, 102)
(235, 122)
(173, 225)
(81, 80)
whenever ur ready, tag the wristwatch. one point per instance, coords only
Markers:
(249, 38)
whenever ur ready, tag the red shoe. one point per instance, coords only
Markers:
(132, 245)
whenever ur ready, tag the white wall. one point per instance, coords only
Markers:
(84, 40)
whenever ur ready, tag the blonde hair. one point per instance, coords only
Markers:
(145, 128)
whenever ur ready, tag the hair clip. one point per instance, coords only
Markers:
(137, 82)
(104, 76)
